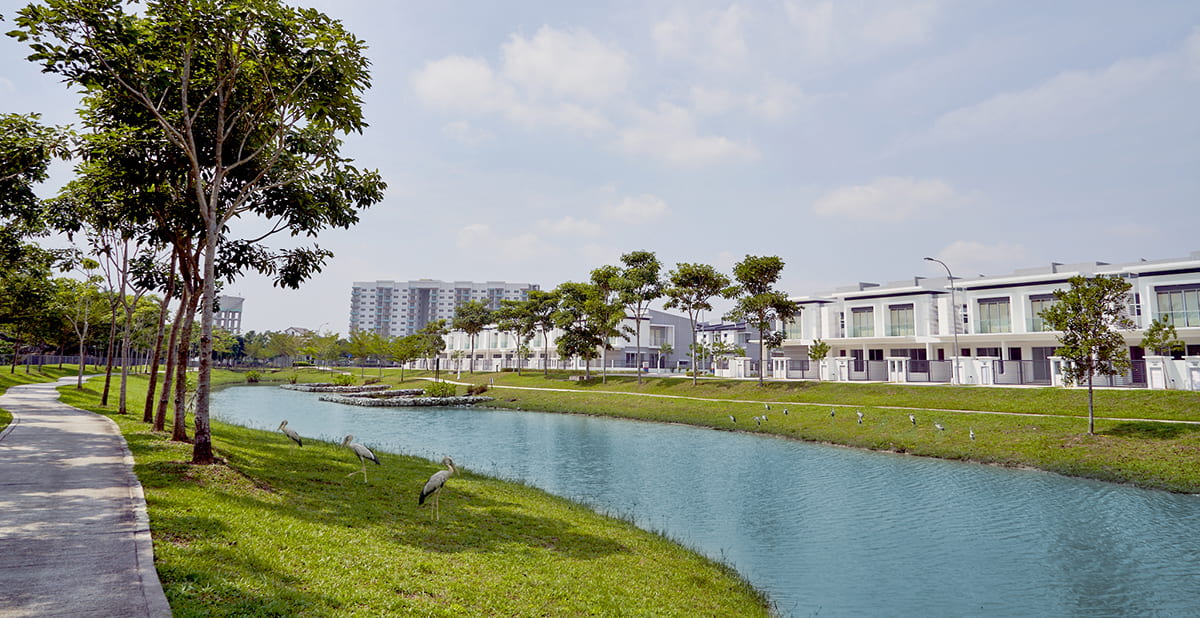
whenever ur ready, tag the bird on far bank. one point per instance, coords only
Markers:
(832, 412)
(434, 485)
(732, 419)
(972, 434)
(939, 427)
(767, 406)
(785, 411)
(291, 433)
(363, 453)
(912, 419)
(860, 416)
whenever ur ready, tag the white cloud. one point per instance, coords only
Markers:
(669, 134)
(777, 100)
(710, 39)
(486, 243)
(549, 80)
(461, 84)
(565, 64)
(1070, 103)
(569, 226)
(637, 209)
(888, 199)
(831, 31)
(462, 132)
(969, 258)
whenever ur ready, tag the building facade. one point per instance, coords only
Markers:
(664, 337)
(876, 331)
(400, 308)
(229, 315)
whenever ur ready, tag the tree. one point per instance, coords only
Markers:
(1089, 315)
(82, 306)
(586, 321)
(471, 318)
(541, 308)
(516, 317)
(664, 351)
(26, 150)
(431, 341)
(638, 285)
(403, 349)
(1161, 338)
(692, 288)
(253, 95)
(817, 352)
(362, 344)
(758, 303)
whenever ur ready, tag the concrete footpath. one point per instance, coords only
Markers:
(74, 536)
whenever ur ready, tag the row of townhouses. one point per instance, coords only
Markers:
(987, 330)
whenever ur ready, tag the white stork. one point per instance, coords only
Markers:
(363, 453)
(434, 485)
(291, 433)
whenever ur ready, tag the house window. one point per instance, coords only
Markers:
(862, 322)
(1037, 304)
(994, 316)
(901, 321)
(1179, 305)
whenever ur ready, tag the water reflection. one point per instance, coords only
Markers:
(821, 529)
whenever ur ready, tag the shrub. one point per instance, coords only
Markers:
(253, 377)
(343, 379)
(302, 364)
(441, 389)
(476, 389)
(371, 381)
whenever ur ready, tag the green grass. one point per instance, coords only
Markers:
(1149, 454)
(280, 530)
(48, 373)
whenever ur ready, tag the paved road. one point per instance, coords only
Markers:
(74, 536)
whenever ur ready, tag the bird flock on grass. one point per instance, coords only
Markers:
(433, 487)
(912, 419)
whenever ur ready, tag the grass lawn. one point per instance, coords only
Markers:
(281, 530)
(1149, 454)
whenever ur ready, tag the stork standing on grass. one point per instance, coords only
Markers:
(291, 433)
(363, 453)
(434, 485)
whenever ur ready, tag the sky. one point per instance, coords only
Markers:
(535, 141)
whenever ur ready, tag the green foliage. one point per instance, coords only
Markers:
(758, 303)
(1090, 314)
(343, 379)
(637, 285)
(253, 377)
(476, 389)
(471, 318)
(818, 350)
(441, 389)
(1161, 338)
(692, 287)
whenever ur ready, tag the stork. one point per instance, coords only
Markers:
(860, 416)
(434, 485)
(363, 453)
(972, 433)
(912, 419)
(939, 427)
(291, 433)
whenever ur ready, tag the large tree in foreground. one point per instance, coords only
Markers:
(759, 304)
(253, 94)
(1090, 315)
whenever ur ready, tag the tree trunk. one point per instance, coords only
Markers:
(108, 363)
(121, 407)
(694, 352)
(762, 359)
(545, 354)
(202, 449)
(79, 378)
(637, 357)
(148, 413)
(1091, 409)
(182, 350)
(164, 396)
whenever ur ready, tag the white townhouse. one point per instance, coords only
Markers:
(906, 331)
(496, 350)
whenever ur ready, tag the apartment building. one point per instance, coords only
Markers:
(228, 315)
(400, 308)
(907, 330)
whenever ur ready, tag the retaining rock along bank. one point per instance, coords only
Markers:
(380, 402)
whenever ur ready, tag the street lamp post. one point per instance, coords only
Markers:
(955, 313)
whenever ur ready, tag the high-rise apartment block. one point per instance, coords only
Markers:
(400, 308)
(229, 313)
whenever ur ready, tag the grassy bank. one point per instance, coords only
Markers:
(281, 530)
(1148, 454)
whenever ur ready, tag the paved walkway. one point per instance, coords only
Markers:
(74, 536)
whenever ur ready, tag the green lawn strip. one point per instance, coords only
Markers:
(35, 375)
(1148, 454)
(1123, 403)
(281, 530)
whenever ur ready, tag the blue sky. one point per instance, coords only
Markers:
(535, 141)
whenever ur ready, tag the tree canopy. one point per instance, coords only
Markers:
(759, 304)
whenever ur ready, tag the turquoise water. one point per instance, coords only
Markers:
(823, 530)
